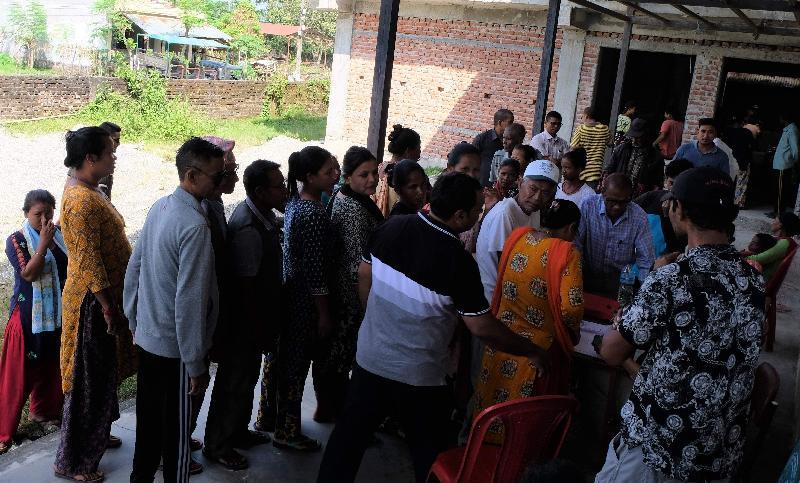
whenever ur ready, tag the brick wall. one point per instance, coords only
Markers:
(219, 98)
(449, 78)
(703, 93)
(27, 97)
(586, 84)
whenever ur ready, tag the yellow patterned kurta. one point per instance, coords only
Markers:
(94, 233)
(524, 308)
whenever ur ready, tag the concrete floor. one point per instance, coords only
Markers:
(390, 462)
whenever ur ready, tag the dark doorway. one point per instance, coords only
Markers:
(653, 80)
(760, 89)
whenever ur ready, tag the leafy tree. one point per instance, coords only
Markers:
(192, 15)
(117, 27)
(242, 24)
(28, 27)
(288, 12)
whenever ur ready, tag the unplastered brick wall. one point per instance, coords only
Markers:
(29, 97)
(449, 78)
(219, 98)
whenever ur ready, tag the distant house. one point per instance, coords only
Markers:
(71, 27)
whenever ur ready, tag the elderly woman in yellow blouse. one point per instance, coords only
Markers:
(539, 296)
(93, 328)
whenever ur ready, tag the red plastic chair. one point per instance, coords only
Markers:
(597, 308)
(535, 429)
(772, 295)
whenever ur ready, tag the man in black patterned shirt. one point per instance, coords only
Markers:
(701, 318)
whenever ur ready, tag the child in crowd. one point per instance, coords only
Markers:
(572, 187)
(507, 178)
(464, 158)
(525, 153)
(512, 136)
(409, 181)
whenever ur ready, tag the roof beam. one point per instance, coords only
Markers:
(770, 5)
(695, 16)
(636, 6)
(722, 25)
(603, 10)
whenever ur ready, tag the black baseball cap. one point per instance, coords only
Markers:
(703, 186)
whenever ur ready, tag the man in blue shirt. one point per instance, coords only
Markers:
(703, 151)
(786, 154)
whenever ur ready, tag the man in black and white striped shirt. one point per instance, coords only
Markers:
(416, 281)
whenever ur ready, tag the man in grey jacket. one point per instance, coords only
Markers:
(171, 302)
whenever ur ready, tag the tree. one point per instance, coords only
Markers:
(28, 26)
(192, 15)
(320, 22)
(117, 27)
(243, 26)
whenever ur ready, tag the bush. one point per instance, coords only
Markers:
(274, 95)
(145, 110)
(280, 96)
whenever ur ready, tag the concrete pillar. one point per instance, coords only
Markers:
(339, 71)
(569, 75)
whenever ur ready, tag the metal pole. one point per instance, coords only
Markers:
(382, 77)
(546, 66)
(623, 60)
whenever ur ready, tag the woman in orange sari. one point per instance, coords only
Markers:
(539, 296)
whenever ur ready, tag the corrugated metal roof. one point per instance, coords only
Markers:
(203, 43)
(768, 80)
(152, 24)
(279, 29)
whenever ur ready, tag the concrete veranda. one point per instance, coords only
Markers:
(390, 462)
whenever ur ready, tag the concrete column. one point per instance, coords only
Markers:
(569, 75)
(339, 71)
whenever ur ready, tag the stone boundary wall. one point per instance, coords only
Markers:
(220, 98)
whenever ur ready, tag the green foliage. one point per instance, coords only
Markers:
(28, 27)
(192, 13)
(243, 25)
(274, 96)
(433, 171)
(320, 22)
(145, 110)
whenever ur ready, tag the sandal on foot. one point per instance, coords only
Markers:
(195, 444)
(94, 477)
(265, 427)
(4, 447)
(298, 443)
(250, 439)
(113, 442)
(231, 460)
(195, 467)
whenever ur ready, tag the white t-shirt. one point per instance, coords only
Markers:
(577, 197)
(498, 224)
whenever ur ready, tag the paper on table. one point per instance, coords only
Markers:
(588, 331)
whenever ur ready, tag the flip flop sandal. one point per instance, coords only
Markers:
(250, 439)
(195, 444)
(113, 442)
(98, 477)
(300, 443)
(232, 461)
(4, 447)
(195, 468)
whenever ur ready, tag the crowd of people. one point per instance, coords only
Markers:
(411, 304)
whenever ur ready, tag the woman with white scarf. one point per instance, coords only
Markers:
(29, 364)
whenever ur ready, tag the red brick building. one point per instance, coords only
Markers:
(457, 62)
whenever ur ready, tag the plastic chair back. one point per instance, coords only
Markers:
(534, 428)
(776, 281)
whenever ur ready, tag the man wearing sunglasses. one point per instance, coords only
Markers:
(613, 233)
(171, 302)
(547, 142)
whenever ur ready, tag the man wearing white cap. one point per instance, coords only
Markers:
(537, 189)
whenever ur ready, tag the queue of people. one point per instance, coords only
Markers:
(376, 293)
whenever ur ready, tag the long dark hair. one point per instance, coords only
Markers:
(355, 157)
(398, 173)
(302, 163)
(82, 142)
(401, 139)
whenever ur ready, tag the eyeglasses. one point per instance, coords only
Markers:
(215, 178)
(624, 202)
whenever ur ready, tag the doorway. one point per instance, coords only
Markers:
(759, 89)
(653, 80)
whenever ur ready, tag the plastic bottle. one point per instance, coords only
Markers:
(627, 284)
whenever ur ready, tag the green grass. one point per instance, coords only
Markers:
(246, 132)
(9, 66)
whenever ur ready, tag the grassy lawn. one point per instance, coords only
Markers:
(247, 132)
